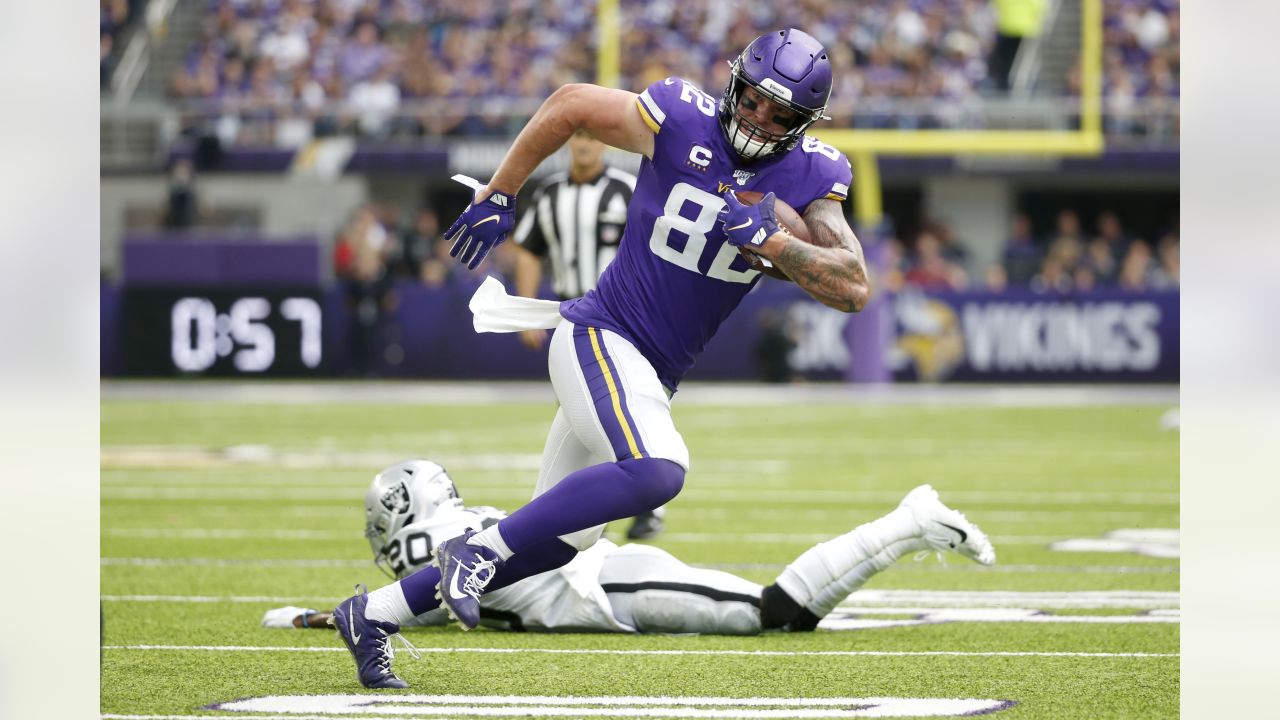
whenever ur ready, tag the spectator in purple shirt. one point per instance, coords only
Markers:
(363, 54)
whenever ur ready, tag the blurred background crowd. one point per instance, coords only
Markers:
(1068, 257)
(458, 68)
(219, 104)
(380, 244)
(462, 68)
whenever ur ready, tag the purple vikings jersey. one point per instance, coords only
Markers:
(676, 278)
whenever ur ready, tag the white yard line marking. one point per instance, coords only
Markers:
(215, 490)
(496, 471)
(224, 492)
(227, 562)
(693, 537)
(620, 706)
(306, 534)
(219, 599)
(900, 601)
(518, 470)
(864, 618)
(290, 716)
(1086, 599)
(590, 651)
(684, 701)
(267, 456)
(1039, 569)
(691, 393)
(228, 534)
(730, 566)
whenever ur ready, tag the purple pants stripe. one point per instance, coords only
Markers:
(607, 393)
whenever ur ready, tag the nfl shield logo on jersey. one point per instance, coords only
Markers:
(396, 499)
(742, 176)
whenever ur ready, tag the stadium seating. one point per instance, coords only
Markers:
(477, 69)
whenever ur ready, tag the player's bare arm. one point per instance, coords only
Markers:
(831, 266)
(609, 115)
(528, 278)
(318, 621)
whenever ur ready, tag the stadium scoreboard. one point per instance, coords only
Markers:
(224, 332)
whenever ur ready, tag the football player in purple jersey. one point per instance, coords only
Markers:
(619, 352)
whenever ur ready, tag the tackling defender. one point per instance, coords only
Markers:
(618, 353)
(413, 505)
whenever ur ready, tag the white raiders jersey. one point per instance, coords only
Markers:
(566, 599)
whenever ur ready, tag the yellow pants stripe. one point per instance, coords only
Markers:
(613, 395)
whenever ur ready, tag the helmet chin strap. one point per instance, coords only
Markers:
(382, 563)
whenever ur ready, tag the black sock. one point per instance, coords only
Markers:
(777, 608)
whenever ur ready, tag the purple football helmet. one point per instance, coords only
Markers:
(789, 67)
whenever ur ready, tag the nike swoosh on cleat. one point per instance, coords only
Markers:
(739, 227)
(351, 625)
(491, 217)
(456, 592)
(963, 535)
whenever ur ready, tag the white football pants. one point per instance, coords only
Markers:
(612, 407)
(653, 592)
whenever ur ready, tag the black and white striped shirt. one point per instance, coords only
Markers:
(578, 226)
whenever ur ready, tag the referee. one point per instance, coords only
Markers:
(575, 223)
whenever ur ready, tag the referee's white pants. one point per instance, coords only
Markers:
(612, 407)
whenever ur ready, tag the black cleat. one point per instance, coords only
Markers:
(646, 526)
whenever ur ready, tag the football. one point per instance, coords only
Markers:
(787, 218)
(787, 215)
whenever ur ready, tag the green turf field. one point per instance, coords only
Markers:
(215, 512)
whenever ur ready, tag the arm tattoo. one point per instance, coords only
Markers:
(831, 266)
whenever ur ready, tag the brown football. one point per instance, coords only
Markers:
(787, 217)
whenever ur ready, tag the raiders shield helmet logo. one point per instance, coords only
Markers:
(396, 499)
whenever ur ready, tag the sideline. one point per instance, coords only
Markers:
(596, 651)
(427, 392)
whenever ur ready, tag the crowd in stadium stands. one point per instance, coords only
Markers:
(1062, 261)
(333, 66)
(305, 58)
(379, 246)
(925, 50)
(113, 15)
(1140, 66)
(376, 249)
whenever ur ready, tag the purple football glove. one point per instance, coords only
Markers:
(481, 227)
(748, 225)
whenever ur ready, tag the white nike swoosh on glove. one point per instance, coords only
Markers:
(739, 227)
(491, 217)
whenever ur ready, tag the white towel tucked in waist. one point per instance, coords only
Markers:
(493, 310)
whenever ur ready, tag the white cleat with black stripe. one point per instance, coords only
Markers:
(947, 529)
